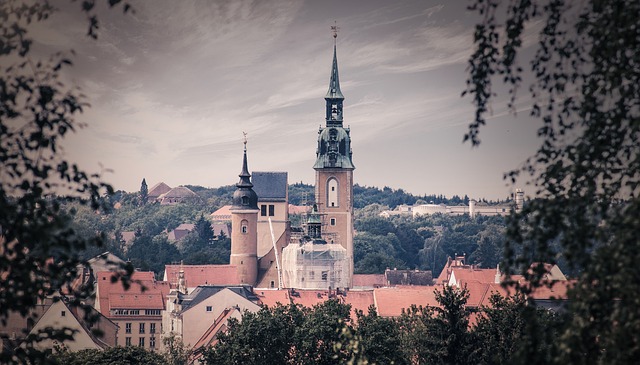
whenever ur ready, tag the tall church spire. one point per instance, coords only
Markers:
(244, 197)
(244, 174)
(334, 97)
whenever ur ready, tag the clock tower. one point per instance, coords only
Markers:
(334, 170)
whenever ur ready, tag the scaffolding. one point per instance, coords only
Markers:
(315, 264)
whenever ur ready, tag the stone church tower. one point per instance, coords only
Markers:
(334, 171)
(244, 222)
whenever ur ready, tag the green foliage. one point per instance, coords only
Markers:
(438, 335)
(585, 90)
(281, 335)
(513, 332)
(380, 338)
(38, 244)
(425, 242)
(131, 355)
(144, 192)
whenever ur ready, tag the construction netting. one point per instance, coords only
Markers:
(314, 264)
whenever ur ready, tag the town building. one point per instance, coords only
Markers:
(136, 310)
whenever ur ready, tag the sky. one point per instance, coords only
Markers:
(173, 86)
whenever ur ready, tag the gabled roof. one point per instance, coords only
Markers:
(158, 189)
(196, 275)
(469, 274)
(479, 293)
(179, 192)
(270, 186)
(83, 338)
(209, 338)
(203, 292)
(222, 214)
(143, 293)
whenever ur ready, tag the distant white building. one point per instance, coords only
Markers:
(472, 209)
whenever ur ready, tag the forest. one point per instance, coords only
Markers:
(401, 242)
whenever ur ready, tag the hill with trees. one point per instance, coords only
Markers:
(401, 242)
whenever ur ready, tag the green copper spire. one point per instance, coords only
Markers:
(334, 142)
(334, 97)
(244, 197)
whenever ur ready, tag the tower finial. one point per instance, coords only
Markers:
(244, 140)
(334, 30)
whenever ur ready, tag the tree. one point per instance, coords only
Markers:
(144, 192)
(379, 338)
(585, 89)
(39, 249)
(510, 331)
(438, 335)
(130, 355)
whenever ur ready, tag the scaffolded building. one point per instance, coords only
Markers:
(312, 261)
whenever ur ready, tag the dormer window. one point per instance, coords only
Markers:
(245, 200)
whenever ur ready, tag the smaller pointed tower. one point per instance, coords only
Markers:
(244, 223)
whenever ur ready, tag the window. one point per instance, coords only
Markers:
(152, 342)
(272, 209)
(272, 284)
(127, 341)
(311, 275)
(127, 328)
(332, 221)
(244, 225)
(63, 313)
(152, 328)
(152, 312)
(245, 200)
(141, 342)
(325, 275)
(332, 193)
(263, 210)
(209, 308)
(141, 327)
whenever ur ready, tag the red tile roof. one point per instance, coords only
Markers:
(222, 214)
(196, 275)
(359, 300)
(144, 292)
(390, 301)
(472, 274)
(368, 280)
(557, 290)
(479, 293)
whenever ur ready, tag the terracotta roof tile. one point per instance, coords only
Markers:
(390, 301)
(368, 280)
(196, 275)
(115, 296)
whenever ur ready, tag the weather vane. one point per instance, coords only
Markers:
(244, 139)
(334, 29)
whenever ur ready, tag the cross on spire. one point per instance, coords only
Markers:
(334, 30)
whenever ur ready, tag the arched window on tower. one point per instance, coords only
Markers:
(244, 224)
(332, 193)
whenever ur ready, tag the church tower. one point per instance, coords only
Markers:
(334, 169)
(244, 224)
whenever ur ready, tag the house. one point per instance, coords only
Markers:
(61, 315)
(190, 316)
(221, 215)
(137, 310)
(177, 195)
(180, 231)
(157, 190)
